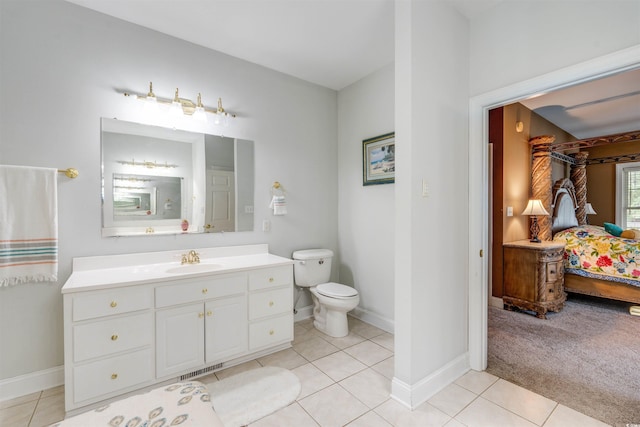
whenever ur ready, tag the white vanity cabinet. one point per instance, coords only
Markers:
(210, 328)
(108, 342)
(130, 328)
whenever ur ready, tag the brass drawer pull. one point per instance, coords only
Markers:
(114, 376)
(205, 290)
(209, 313)
(114, 337)
(200, 315)
(114, 304)
(271, 332)
(271, 279)
(270, 303)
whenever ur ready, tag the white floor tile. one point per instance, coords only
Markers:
(364, 329)
(397, 414)
(520, 401)
(567, 417)
(243, 367)
(18, 415)
(452, 399)
(386, 340)
(482, 413)
(370, 419)
(386, 367)
(369, 352)
(312, 379)
(292, 415)
(368, 386)
(333, 406)
(287, 359)
(314, 348)
(476, 381)
(48, 411)
(339, 365)
(344, 342)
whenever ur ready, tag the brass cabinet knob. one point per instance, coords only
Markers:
(205, 290)
(200, 315)
(270, 303)
(114, 337)
(209, 313)
(114, 304)
(114, 376)
(271, 332)
(270, 279)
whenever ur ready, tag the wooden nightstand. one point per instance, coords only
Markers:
(534, 277)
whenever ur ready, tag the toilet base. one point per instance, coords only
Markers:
(330, 316)
(336, 325)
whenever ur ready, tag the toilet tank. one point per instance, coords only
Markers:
(312, 267)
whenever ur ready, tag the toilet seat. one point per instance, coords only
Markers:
(336, 290)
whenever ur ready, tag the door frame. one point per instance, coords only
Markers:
(479, 106)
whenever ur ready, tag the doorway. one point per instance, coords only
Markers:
(479, 107)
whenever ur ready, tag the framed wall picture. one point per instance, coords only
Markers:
(378, 159)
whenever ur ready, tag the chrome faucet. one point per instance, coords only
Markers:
(192, 257)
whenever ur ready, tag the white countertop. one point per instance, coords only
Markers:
(103, 272)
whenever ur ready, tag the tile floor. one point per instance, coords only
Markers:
(346, 382)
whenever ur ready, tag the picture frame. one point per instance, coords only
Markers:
(378, 160)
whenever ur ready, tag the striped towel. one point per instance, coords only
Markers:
(28, 225)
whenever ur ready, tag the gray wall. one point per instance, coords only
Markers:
(61, 66)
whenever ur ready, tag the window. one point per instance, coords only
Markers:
(628, 195)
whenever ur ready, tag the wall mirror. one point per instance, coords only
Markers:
(158, 180)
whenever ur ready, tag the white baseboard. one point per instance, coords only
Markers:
(30, 383)
(303, 313)
(414, 395)
(495, 302)
(374, 319)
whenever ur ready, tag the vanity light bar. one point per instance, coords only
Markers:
(148, 165)
(187, 106)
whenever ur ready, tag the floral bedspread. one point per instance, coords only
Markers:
(591, 251)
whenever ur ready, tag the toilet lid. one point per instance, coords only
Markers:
(336, 290)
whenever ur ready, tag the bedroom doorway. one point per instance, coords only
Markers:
(479, 237)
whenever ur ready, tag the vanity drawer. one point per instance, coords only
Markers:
(111, 301)
(109, 375)
(270, 277)
(111, 336)
(267, 303)
(271, 331)
(200, 289)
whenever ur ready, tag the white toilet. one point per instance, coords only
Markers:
(332, 301)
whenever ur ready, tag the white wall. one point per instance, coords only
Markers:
(61, 65)
(366, 214)
(519, 40)
(431, 81)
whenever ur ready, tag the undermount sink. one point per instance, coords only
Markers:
(193, 268)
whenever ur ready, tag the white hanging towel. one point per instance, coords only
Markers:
(28, 225)
(279, 205)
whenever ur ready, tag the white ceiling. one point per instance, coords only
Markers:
(335, 43)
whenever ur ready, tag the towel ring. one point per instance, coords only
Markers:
(277, 189)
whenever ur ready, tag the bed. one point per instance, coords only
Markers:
(595, 262)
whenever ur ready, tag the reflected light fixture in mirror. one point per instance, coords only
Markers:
(176, 105)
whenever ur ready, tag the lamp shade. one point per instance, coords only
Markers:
(589, 209)
(534, 207)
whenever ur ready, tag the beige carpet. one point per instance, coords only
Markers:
(586, 357)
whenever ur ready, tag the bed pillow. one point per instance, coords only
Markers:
(612, 229)
(631, 234)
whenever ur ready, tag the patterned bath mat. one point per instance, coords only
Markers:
(246, 397)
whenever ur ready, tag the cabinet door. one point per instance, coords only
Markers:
(179, 339)
(226, 328)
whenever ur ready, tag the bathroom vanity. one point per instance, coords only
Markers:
(134, 321)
